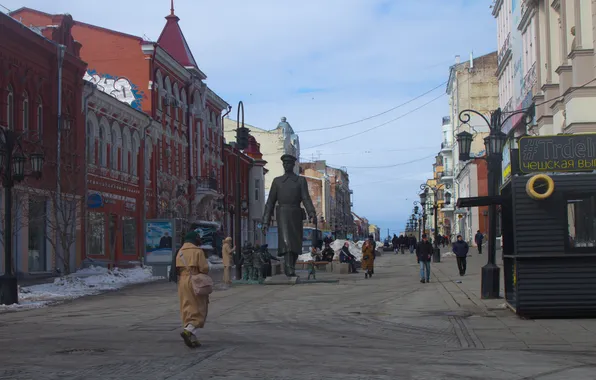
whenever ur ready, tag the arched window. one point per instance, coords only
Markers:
(25, 111)
(136, 144)
(184, 102)
(126, 150)
(115, 147)
(9, 107)
(39, 116)
(177, 99)
(168, 86)
(90, 143)
(104, 139)
(160, 89)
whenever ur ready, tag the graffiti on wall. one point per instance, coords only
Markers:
(118, 87)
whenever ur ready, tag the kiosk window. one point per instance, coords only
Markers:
(581, 221)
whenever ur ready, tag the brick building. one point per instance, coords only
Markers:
(41, 80)
(181, 155)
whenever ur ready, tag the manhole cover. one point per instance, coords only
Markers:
(81, 351)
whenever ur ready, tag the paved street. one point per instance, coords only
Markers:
(389, 327)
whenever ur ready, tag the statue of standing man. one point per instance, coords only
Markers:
(289, 191)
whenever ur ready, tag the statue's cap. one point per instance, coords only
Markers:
(288, 157)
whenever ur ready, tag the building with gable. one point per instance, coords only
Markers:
(170, 151)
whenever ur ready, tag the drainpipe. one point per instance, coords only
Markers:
(142, 180)
(86, 186)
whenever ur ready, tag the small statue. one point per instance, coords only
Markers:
(312, 266)
(257, 265)
(288, 192)
(495, 119)
(247, 261)
(267, 257)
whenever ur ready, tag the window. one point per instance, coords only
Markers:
(39, 116)
(90, 143)
(257, 188)
(115, 149)
(129, 236)
(25, 112)
(102, 146)
(96, 234)
(37, 235)
(10, 108)
(581, 222)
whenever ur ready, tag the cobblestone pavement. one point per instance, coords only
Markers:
(387, 327)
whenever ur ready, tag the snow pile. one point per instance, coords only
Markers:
(337, 245)
(85, 282)
(448, 254)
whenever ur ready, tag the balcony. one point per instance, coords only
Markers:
(446, 175)
(506, 48)
(446, 147)
(529, 80)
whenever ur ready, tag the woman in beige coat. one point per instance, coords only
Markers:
(227, 251)
(193, 308)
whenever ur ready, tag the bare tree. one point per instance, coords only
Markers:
(64, 209)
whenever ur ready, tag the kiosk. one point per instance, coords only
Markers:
(548, 215)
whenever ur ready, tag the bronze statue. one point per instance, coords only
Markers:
(288, 191)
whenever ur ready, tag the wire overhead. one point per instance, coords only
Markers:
(389, 166)
(377, 126)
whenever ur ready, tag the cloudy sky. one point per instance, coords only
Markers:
(324, 63)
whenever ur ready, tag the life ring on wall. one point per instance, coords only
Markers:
(532, 193)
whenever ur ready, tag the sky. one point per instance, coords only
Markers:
(324, 63)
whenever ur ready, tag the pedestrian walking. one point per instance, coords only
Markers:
(461, 248)
(395, 241)
(412, 243)
(424, 252)
(226, 252)
(191, 261)
(478, 240)
(345, 256)
(368, 257)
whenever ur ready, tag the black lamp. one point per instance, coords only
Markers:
(494, 143)
(423, 197)
(447, 198)
(18, 166)
(464, 142)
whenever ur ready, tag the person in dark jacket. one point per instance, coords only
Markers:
(478, 240)
(328, 253)
(395, 241)
(345, 256)
(461, 248)
(412, 243)
(424, 252)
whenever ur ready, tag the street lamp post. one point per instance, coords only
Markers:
(241, 143)
(494, 143)
(12, 164)
(434, 211)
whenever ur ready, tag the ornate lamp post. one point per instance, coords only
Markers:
(434, 211)
(241, 143)
(494, 143)
(12, 166)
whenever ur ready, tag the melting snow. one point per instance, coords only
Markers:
(337, 245)
(85, 282)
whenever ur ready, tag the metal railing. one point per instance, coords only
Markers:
(504, 49)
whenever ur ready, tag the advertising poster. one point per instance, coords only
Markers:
(159, 241)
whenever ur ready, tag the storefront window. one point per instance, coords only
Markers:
(581, 220)
(129, 235)
(96, 234)
(37, 231)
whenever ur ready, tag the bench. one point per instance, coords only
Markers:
(323, 266)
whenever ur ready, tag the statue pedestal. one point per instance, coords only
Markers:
(281, 280)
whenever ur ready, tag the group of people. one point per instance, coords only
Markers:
(401, 243)
(256, 262)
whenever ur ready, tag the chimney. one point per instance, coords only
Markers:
(457, 59)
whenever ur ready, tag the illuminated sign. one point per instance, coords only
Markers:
(560, 153)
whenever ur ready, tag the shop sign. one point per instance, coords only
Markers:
(129, 206)
(558, 153)
(94, 201)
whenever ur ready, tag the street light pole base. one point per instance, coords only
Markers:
(436, 255)
(9, 290)
(490, 282)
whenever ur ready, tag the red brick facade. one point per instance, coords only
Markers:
(29, 68)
